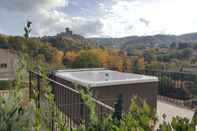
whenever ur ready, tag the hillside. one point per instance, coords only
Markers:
(50, 48)
(148, 41)
(65, 43)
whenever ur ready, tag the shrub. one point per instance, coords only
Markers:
(5, 85)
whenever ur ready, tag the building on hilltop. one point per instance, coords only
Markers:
(67, 33)
(8, 63)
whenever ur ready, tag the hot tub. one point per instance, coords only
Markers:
(106, 85)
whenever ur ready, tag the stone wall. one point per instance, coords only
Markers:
(8, 64)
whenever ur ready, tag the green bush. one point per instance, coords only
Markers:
(178, 124)
(13, 117)
(5, 85)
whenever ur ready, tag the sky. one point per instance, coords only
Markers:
(99, 18)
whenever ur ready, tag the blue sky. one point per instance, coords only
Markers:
(99, 18)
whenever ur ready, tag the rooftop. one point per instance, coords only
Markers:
(102, 77)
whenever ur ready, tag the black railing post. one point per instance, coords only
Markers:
(30, 85)
(38, 87)
(53, 110)
(52, 120)
(102, 113)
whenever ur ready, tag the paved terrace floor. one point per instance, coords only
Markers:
(172, 110)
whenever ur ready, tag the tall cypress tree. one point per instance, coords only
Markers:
(118, 106)
(27, 29)
(135, 67)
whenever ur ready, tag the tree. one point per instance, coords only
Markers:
(86, 60)
(149, 55)
(164, 84)
(127, 65)
(194, 86)
(173, 45)
(183, 45)
(4, 42)
(135, 67)
(164, 57)
(141, 64)
(71, 55)
(155, 65)
(194, 45)
(118, 106)
(102, 55)
(186, 53)
(116, 60)
(57, 56)
(27, 29)
(139, 118)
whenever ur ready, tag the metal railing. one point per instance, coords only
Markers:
(176, 86)
(177, 79)
(67, 100)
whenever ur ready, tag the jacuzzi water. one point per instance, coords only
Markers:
(102, 77)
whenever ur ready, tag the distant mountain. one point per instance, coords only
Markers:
(156, 40)
(191, 37)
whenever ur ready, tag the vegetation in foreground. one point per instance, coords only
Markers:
(17, 113)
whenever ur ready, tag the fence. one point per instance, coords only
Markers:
(67, 100)
(180, 79)
(179, 86)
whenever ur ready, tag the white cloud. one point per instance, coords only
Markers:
(170, 16)
(43, 14)
(24, 6)
(114, 18)
(47, 17)
(54, 21)
(49, 22)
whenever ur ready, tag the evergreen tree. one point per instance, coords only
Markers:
(118, 106)
(136, 67)
(27, 29)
